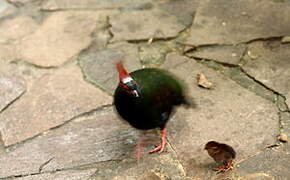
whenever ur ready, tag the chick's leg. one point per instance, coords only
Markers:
(161, 147)
(227, 166)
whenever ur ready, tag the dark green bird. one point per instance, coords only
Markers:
(145, 99)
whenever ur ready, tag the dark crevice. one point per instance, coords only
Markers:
(157, 39)
(76, 9)
(11, 102)
(109, 29)
(18, 61)
(177, 157)
(201, 60)
(273, 38)
(77, 168)
(44, 164)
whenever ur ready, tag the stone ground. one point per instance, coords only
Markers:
(57, 77)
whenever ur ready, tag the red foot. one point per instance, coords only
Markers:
(161, 147)
(224, 168)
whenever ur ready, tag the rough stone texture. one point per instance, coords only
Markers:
(6, 9)
(285, 39)
(62, 36)
(11, 88)
(125, 25)
(100, 138)
(153, 54)
(16, 28)
(11, 33)
(94, 4)
(271, 65)
(231, 22)
(68, 95)
(106, 59)
(150, 167)
(224, 54)
(263, 163)
(62, 175)
(228, 113)
(285, 123)
(184, 10)
(288, 99)
(97, 138)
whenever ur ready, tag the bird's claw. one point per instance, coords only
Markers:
(159, 149)
(223, 168)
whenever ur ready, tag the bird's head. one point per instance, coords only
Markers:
(212, 146)
(127, 83)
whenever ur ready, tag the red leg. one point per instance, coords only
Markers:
(161, 147)
(138, 149)
(225, 167)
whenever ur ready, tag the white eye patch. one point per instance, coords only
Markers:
(127, 79)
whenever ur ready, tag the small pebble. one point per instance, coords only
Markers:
(202, 81)
(283, 137)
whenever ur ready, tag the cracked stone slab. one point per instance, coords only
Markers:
(125, 25)
(90, 139)
(61, 36)
(12, 87)
(51, 101)
(99, 67)
(223, 54)
(228, 114)
(271, 163)
(232, 22)
(271, 65)
(62, 175)
(93, 4)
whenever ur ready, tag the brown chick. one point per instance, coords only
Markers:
(221, 153)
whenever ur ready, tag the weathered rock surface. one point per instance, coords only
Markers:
(51, 101)
(271, 65)
(125, 25)
(285, 123)
(232, 22)
(93, 4)
(184, 10)
(153, 167)
(91, 62)
(285, 39)
(11, 33)
(62, 36)
(224, 54)
(228, 113)
(97, 138)
(263, 165)
(6, 9)
(12, 87)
